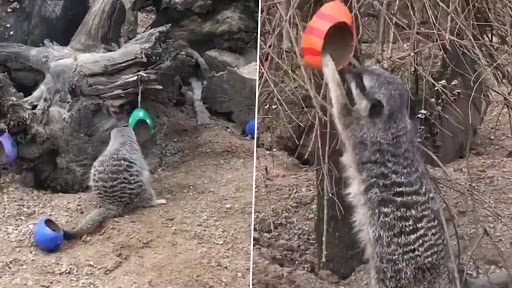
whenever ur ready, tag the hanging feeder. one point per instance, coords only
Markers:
(138, 115)
(8, 149)
(332, 29)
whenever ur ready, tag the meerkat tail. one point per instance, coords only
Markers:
(91, 223)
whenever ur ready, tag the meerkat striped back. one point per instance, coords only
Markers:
(117, 179)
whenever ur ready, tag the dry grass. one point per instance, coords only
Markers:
(418, 40)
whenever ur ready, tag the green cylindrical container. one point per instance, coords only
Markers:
(140, 114)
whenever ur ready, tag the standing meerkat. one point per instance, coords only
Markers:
(393, 198)
(121, 180)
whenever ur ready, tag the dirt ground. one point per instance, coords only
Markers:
(284, 247)
(200, 238)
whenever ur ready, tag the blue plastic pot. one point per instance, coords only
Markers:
(9, 149)
(250, 128)
(48, 235)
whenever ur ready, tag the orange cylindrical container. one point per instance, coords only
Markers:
(331, 29)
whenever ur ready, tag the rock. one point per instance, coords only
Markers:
(206, 25)
(197, 6)
(34, 21)
(328, 276)
(219, 60)
(232, 25)
(233, 93)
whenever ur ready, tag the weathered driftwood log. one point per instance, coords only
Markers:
(63, 125)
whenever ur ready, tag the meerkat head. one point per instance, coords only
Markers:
(122, 135)
(374, 99)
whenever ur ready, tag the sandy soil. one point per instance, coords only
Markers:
(284, 247)
(200, 238)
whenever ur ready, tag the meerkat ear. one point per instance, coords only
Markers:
(357, 90)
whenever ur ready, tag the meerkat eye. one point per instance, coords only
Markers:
(376, 109)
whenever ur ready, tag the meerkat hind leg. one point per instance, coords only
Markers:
(159, 202)
(150, 199)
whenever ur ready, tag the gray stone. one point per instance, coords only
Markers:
(230, 29)
(233, 92)
(197, 6)
(328, 276)
(219, 60)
